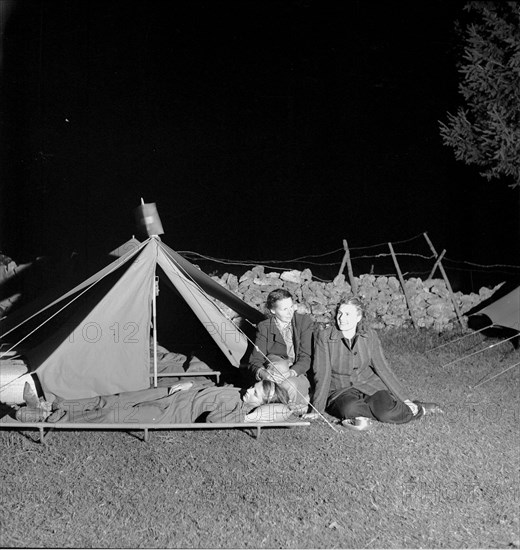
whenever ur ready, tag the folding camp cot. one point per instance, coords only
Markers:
(45, 427)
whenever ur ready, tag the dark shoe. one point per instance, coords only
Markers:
(429, 408)
(56, 415)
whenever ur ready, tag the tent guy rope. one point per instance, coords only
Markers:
(480, 351)
(187, 275)
(496, 375)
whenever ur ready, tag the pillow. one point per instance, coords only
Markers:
(272, 412)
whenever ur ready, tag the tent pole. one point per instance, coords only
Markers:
(154, 322)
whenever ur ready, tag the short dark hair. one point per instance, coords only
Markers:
(360, 307)
(352, 301)
(276, 295)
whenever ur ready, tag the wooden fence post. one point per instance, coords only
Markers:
(400, 275)
(446, 280)
(436, 264)
(343, 261)
(346, 260)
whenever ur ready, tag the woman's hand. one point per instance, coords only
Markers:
(412, 406)
(279, 377)
(181, 386)
(263, 374)
(310, 416)
(276, 376)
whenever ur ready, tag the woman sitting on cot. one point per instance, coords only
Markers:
(182, 403)
(353, 380)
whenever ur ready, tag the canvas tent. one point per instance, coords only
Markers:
(95, 338)
(498, 317)
(504, 312)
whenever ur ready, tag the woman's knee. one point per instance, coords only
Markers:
(349, 410)
(386, 408)
(382, 400)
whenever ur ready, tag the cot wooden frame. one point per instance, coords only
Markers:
(45, 428)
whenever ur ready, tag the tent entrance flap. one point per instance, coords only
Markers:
(226, 335)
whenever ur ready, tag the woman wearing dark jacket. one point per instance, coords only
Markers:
(353, 380)
(288, 335)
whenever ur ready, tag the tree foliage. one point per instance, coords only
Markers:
(486, 131)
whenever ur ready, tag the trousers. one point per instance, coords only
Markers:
(381, 406)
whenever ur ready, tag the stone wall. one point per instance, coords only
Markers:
(8, 269)
(383, 296)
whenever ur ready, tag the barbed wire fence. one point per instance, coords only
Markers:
(357, 261)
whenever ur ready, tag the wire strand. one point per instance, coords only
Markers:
(200, 289)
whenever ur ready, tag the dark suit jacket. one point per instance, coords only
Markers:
(269, 340)
(370, 371)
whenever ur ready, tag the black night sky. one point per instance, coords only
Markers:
(262, 129)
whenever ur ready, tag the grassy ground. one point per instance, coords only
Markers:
(449, 481)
